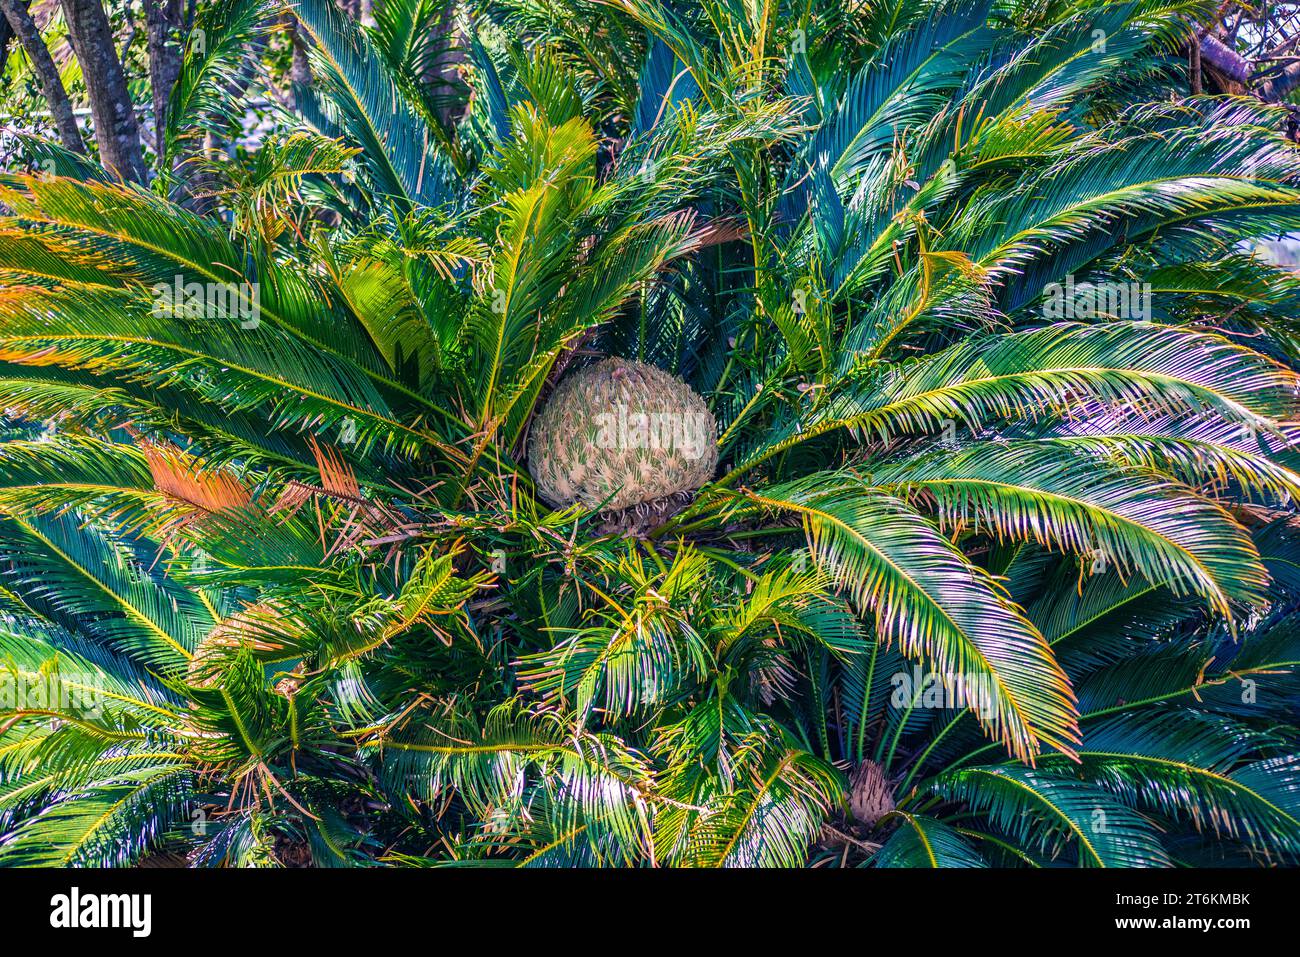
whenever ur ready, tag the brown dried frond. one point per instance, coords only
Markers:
(182, 477)
(337, 481)
(295, 495)
(336, 476)
(362, 519)
(718, 231)
(205, 668)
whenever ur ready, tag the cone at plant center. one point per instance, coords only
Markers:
(620, 433)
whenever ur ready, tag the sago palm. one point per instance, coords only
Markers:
(987, 573)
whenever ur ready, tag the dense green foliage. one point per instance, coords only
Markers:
(289, 593)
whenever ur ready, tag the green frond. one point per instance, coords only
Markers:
(224, 35)
(939, 607)
(925, 842)
(1075, 503)
(112, 823)
(1058, 816)
(398, 145)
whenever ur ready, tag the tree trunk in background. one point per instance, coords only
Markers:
(216, 148)
(1227, 61)
(299, 66)
(24, 27)
(116, 129)
(1237, 72)
(163, 22)
(443, 75)
(6, 37)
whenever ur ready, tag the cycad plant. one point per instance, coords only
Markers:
(995, 567)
